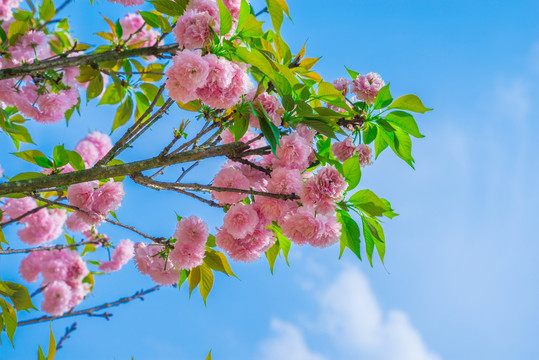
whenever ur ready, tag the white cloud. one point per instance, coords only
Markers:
(287, 343)
(354, 324)
(352, 316)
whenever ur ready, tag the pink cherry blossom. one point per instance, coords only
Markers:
(82, 195)
(93, 147)
(108, 197)
(43, 226)
(344, 150)
(188, 72)
(57, 298)
(5, 9)
(241, 220)
(301, 226)
(294, 152)
(247, 249)
(209, 6)
(189, 250)
(364, 155)
(306, 133)
(366, 87)
(192, 29)
(273, 108)
(193, 230)
(229, 178)
(342, 84)
(284, 181)
(31, 266)
(149, 263)
(128, 2)
(330, 234)
(15, 208)
(76, 224)
(270, 208)
(123, 252)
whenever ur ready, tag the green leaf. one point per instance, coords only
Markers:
(19, 296)
(151, 91)
(209, 354)
(193, 279)
(19, 132)
(17, 28)
(29, 155)
(206, 281)
(405, 121)
(276, 14)
(47, 10)
(155, 70)
(183, 276)
(270, 131)
(95, 88)
(379, 143)
(256, 59)
(123, 114)
(44, 162)
(321, 126)
(271, 255)
(52, 345)
(40, 354)
(352, 172)
(10, 319)
(369, 202)
(26, 176)
(119, 30)
(150, 18)
(284, 244)
(350, 234)
(218, 262)
(245, 10)
(111, 95)
(383, 98)
(369, 133)
(168, 7)
(225, 18)
(409, 103)
(60, 156)
(353, 74)
(240, 126)
(251, 27)
(76, 160)
(374, 235)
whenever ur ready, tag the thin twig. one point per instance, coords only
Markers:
(54, 247)
(33, 211)
(90, 311)
(146, 181)
(185, 172)
(68, 332)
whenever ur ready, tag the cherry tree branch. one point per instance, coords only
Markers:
(92, 311)
(105, 172)
(69, 330)
(54, 247)
(87, 59)
(159, 185)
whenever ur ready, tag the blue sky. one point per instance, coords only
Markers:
(461, 258)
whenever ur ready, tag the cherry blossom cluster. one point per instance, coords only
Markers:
(191, 235)
(245, 233)
(124, 251)
(135, 30)
(47, 102)
(40, 227)
(6, 7)
(344, 150)
(192, 29)
(217, 82)
(63, 272)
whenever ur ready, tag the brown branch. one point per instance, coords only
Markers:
(35, 184)
(116, 149)
(33, 211)
(54, 247)
(68, 332)
(159, 185)
(91, 311)
(87, 59)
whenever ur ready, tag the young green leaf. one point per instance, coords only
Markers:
(409, 103)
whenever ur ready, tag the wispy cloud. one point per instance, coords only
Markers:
(350, 318)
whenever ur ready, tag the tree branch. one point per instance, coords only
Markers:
(68, 332)
(32, 185)
(90, 311)
(159, 185)
(54, 247)
(87, 59)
